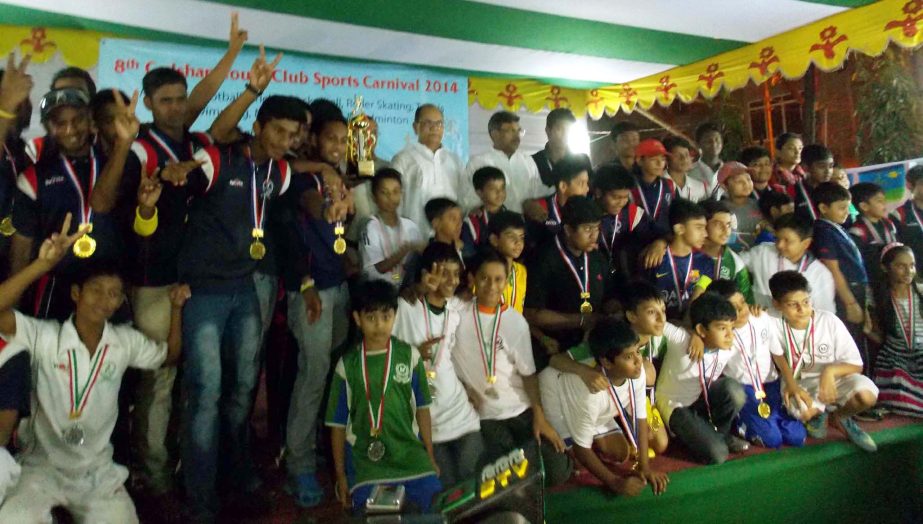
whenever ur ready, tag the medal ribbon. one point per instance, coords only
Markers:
(647, 208)
(86, 210)
(750, 363)
(259, 204)
(428, 323)
(889, 236)
(585, 282)
(165, 147)
(610, 244)
(906, 327)
(804, 193)
(792, 347)
(679, 291)
(555, 208)
(375, 422)
(488, 353)
(513, 286)
(631, 428)
(857, 256)
(707, 384)
(802, 264)
(80, 396)
(913, 209)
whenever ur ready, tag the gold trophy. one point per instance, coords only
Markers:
(360, 142)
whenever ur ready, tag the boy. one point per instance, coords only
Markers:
(773, 204)
(388, 239)
(734, 178)
(763, 419)
(572, 178)
(445, 217)
(493, 358)
(625, 227)
(909, 216)
(490, 186)
(430, 325)
(682, 265)
(698, 405)
(759, 163)
(68, 461)
(679, 164)
(872, 230)
(727, 263)
(838, 251)
(819, 363)
(708, 138)
(569, 282)
(625, 137)
(508, 236)
(818, 163)
(588, 419)
(378, 397)
(653, 191)
(791, 250)
(15, 399)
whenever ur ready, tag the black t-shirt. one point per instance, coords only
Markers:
(16, 383)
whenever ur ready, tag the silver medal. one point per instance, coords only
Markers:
(376, 450)
(74, 436)
(432, 388)
(492, 393)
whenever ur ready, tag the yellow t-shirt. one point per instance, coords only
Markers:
(515, 292)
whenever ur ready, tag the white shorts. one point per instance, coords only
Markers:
(846, 387)
(94, 497)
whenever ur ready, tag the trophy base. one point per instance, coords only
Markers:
(366, 168)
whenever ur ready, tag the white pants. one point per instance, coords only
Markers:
(97, 497)
(9, 472)
(846, 387)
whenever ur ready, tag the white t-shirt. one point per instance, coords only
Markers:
(426, 175)
(522, 179)
(51, 343)
(759, 342)
(695, 190)
(764, 261)
(832, 344)
(451, 412)
(513, 360)
(380, 241)
(701, 171)
(577, 414)
(679, 384)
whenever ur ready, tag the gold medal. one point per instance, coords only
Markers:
(586, 308)
(257, 250)
(339, 246)
(764, 410)
(396, 276)
(85, 247)
(430, 374)
(6, 227)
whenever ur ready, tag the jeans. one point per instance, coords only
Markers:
(316, 342)
(707, 439)
(459, 459)
(503, 436)
(221, 351)
(267, 289)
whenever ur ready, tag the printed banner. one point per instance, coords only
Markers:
(391, 93)
(891, 177)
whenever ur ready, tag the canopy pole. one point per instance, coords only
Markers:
(672, 130)
(767, 112)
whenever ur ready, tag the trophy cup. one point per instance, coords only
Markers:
(360, 142)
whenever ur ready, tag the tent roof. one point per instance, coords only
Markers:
(583, 43)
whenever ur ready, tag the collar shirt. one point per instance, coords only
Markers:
(425, 175)
(522, 179)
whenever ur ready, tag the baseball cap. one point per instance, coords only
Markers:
(730, 169)
(65, 97)
(650, 147)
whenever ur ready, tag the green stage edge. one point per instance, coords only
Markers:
(832, 482)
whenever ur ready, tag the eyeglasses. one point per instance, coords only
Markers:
(514, 131)
(432, 124)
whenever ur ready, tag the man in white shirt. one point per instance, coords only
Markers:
(708, 138)
(428, 169)
(523, 181)
(78, 367)
(790, 252)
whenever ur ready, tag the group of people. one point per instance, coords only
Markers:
(444, 313)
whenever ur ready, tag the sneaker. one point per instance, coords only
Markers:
(736, 444)
(817, 426)
(305, 489)
(856, 435)
(875, 414)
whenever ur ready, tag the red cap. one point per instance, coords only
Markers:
(730, 169)
(650, 147)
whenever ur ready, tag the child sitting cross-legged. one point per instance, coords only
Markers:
(612, 420)
(378, 409)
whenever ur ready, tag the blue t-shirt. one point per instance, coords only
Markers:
(655, 198)
(676, 285)
(832, 242)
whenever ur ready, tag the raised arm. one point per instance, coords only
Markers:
(106, 191)
(223, 128)
(52, 251)
(14, 88)
(205, 90)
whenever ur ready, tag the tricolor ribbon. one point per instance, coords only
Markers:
(428, 324)
(376, 422)
(680, 292)
(259, 203)
(162, 143)
(792, 354)
(488, 350)
(80, 397)
(86, 210)
(584, 283)
(707, 383)
(647, 208)
(752, 363)
(631, 428)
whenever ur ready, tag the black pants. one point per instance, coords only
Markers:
(502, 436)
